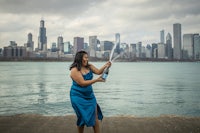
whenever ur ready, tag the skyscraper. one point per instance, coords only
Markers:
(148, 51)
(106, 45)
(154, 50)
(196, 46)
(53, 47)
(14, 51)
(139, 49)
(162, 36)
(67, 47)
(42, 38)
(169, 46)
(78, 44)
(30, 44)
(93, 45)
(188, 46)
(161, 50)
(133, 50)
(60, 44)
(177, 40)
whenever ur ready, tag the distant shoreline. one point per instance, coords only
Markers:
(91, 59)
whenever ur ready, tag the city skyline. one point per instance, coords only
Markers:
(135, 21)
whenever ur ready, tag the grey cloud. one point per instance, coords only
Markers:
(97, 17)
(167, 8)
(156, 9)
(11, 27)
(65, 7)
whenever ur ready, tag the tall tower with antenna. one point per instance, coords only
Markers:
(42, 38)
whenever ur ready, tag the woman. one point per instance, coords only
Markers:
(81, 94)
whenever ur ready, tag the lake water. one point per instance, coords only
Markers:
(132, 88)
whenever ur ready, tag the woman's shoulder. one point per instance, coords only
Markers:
(90, 66)
(74, 69)
(74, 72)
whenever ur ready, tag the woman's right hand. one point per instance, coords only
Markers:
(100, 79)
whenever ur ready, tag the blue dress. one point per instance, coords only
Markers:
(84, 102)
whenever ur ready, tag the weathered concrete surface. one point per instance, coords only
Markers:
(122, 124)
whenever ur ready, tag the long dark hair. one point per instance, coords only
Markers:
(78, 60)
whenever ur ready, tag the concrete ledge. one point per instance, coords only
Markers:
(30, 123)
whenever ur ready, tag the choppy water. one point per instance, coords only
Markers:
(139, 88)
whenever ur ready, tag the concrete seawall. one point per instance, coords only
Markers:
(30, 123)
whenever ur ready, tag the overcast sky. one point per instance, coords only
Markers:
(135, 20)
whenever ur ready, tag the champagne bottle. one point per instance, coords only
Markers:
(105, 73)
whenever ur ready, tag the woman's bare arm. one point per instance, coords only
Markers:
(77, 76)
(99, 71)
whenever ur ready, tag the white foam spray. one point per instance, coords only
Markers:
(112, 52)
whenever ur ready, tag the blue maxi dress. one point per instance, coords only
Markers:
(84, 102)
